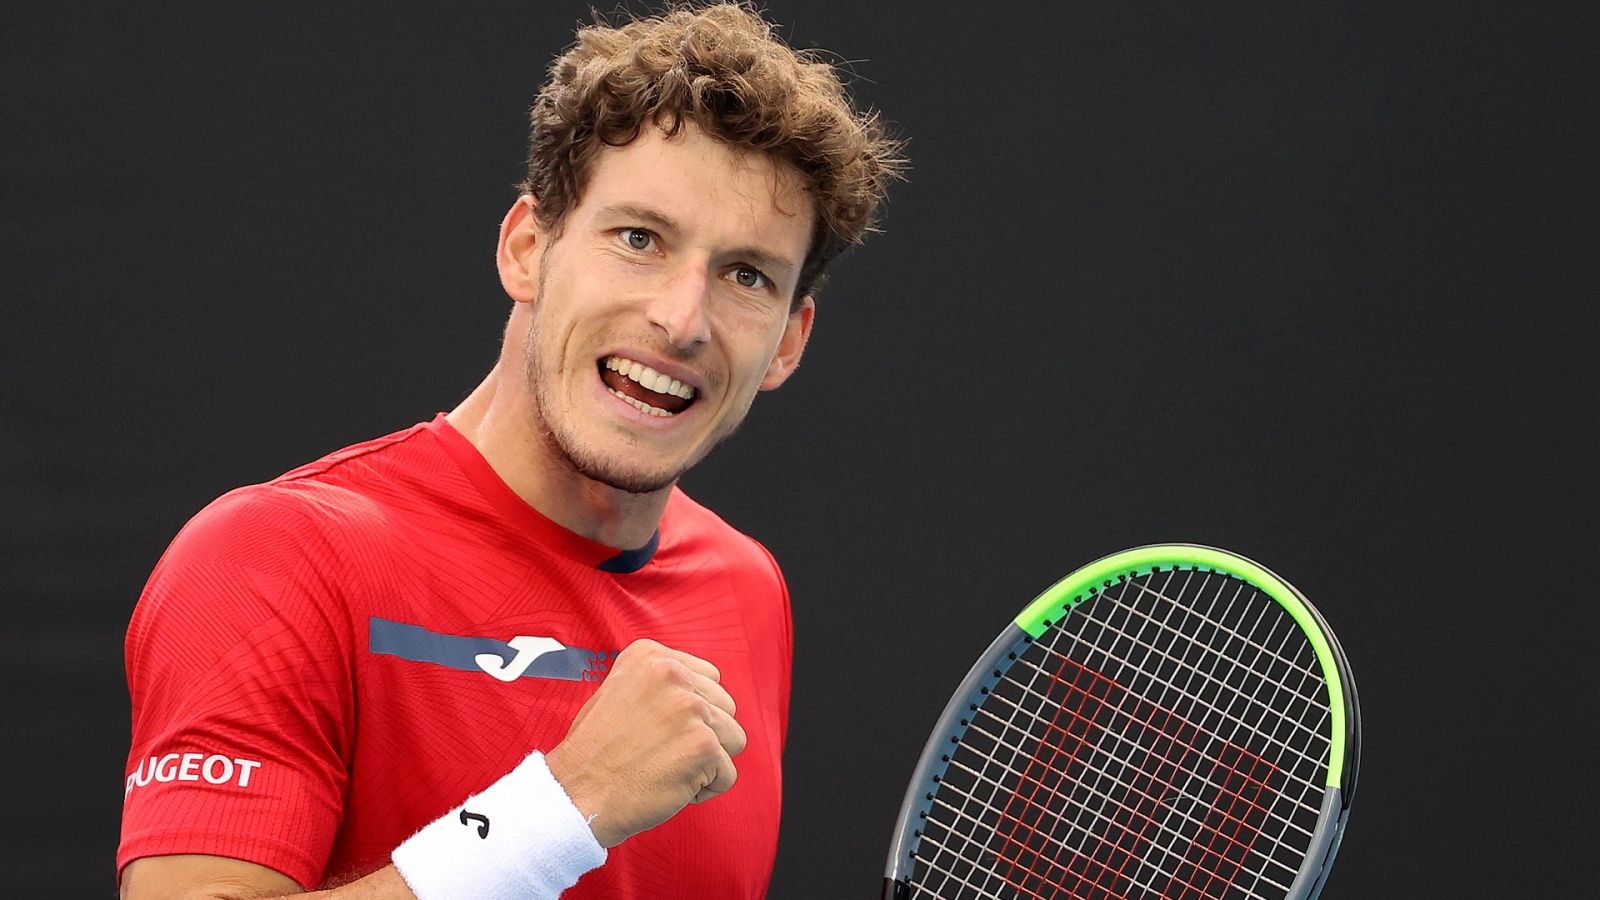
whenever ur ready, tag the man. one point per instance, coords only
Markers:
(395, 672)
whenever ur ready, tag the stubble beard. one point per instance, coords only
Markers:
(564, 445)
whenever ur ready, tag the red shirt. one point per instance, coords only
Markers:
(322, 664)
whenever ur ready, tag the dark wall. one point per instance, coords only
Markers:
(1296, 280)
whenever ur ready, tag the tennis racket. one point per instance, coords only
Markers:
(1170, 721)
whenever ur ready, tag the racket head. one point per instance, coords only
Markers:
(1120, 739)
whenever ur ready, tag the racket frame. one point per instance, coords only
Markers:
(1080, 586)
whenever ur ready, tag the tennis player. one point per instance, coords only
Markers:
(500, 654)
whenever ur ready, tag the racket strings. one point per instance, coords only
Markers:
(1111, 776)
(1178, 754)
(1252, 677)
(1184, 830)
(1306, 764)
(1184, 792)
(1310, 745)
(1236, 822)
(1133, 722)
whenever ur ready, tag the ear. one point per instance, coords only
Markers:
(793, 343)
(517, 255)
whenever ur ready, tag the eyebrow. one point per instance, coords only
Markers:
(640, 213)
(762, 259)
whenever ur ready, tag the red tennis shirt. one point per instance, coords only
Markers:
(322, 664)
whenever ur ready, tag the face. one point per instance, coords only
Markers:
(662, 306)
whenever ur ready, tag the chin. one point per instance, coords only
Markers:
(597, 465)
(631, 481)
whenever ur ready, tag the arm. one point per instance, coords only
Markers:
(195, 877)
(658, 735)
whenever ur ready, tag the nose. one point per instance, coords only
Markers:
(678, 307)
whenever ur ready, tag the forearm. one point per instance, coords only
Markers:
(384, 884)
(198, 877)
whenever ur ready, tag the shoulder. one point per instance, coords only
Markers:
(689, 522)
(285, 545)
(325, 499)
(255, 556)
(694, 530)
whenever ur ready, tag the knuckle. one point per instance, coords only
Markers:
(691, 705)
(669, 670)
(640, 647)
(705, 743)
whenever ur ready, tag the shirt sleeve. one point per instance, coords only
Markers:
(240, 675)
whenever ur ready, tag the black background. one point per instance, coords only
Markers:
(1297, 280)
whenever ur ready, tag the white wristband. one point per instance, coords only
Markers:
(521, 839)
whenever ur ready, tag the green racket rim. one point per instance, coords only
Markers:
(1079, 586)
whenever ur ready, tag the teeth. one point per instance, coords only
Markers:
(649, 378)
(640, 405)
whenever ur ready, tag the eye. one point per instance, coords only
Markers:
(637, 238)
(749, 277)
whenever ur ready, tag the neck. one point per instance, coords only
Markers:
(495, 418)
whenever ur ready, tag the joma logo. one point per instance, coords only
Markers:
(524, 656)
(528, 649)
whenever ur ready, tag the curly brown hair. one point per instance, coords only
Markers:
(722, 68)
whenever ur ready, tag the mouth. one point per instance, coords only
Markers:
(644, 388)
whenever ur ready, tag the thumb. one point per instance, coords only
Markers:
(583, 711)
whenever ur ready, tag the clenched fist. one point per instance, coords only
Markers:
(658, 735)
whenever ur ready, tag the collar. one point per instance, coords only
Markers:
(529, 521)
